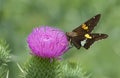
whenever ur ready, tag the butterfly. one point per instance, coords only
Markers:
(82, 36)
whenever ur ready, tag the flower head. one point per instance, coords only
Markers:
(47, 42)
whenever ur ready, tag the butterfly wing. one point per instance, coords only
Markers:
(76, 41)
(95, 37)
(76, 44)
(86, 28)
(91, 23)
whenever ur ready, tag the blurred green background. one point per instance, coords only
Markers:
(19, 17)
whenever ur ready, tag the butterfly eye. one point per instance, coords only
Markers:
(66, 33)
(88, 36)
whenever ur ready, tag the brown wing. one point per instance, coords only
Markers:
(95, 37)
(76, 41)
(76, 44)
(91, 23)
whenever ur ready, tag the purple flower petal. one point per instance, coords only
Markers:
(47, 42)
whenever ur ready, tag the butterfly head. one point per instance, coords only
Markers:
(71, 34)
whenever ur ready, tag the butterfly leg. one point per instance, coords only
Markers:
(71, 44)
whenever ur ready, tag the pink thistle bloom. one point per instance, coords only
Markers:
(47, 42)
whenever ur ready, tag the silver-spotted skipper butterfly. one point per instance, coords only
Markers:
(82, 36)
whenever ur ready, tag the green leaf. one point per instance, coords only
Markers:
(4, 59)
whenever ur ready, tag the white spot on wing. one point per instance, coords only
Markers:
(83, 42)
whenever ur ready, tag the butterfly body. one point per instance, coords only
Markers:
(82, 36)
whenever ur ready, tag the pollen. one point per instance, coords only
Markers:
(88, 36)
(84, 27)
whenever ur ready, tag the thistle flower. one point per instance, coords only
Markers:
(47, 42)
